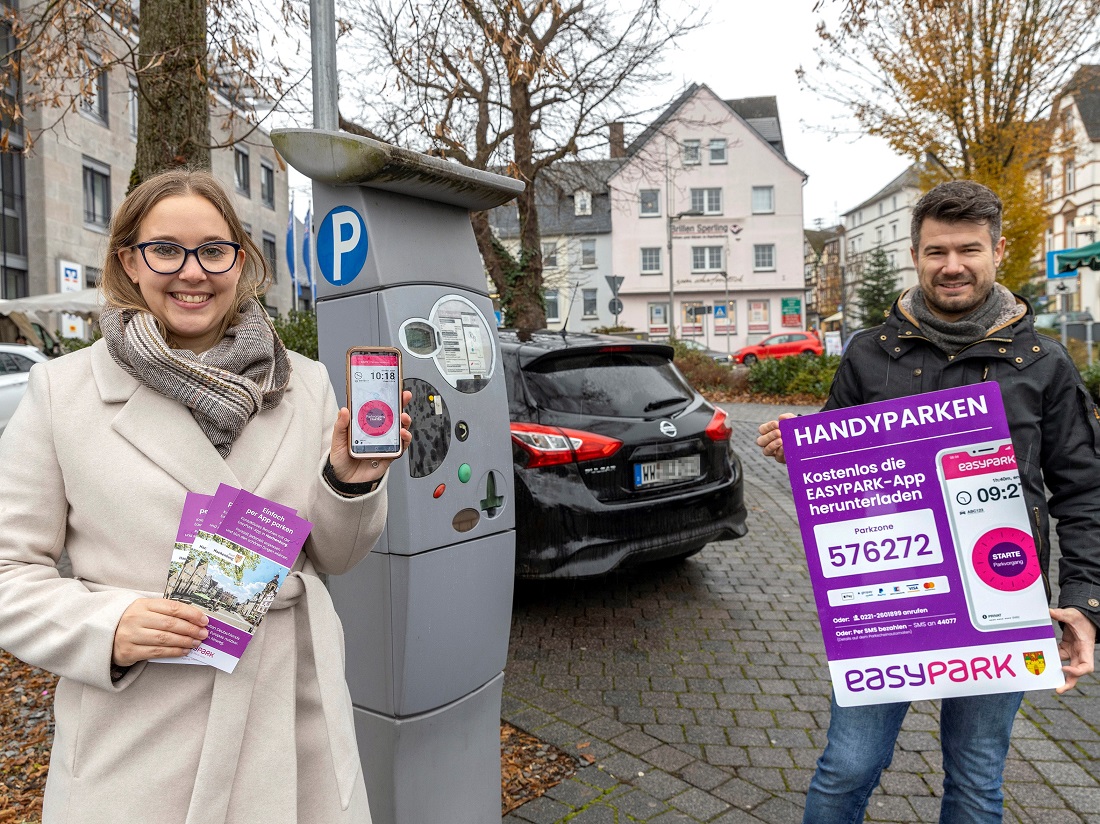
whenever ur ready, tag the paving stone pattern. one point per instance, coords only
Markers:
(700, 689)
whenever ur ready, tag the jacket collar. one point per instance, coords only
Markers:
(1016, 342)
(164, 432)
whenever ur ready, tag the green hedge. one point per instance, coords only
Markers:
(793, 375)
(1091, 374)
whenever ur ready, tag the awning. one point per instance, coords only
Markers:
(839, 316)
(85, 302)
(1084, 257)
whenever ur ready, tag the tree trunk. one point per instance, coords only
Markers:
(173, 108)
(526, 302)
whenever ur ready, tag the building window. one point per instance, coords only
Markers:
(717, 151)
(133, 109)
(707, 201)
(763, 200)
(879, 236)
(247, 228)
(651, 202)
(267, 184)
(97, 194)
(94, 103)
(894, 231)
(588, 251)
(706, 258)
(241, 171)
(691, 153)
(549, 255)
(92, 276)
(658, 315)
(727, 324)
(552, 305)
(582, 202)
(14, 284)
(763, 257)
(651, 260)
(12, 189)
(271, 256)
(1071, 176)
(589, 298)
(881, 206)
(1048, 183)
(1071, 235)
(894, 205)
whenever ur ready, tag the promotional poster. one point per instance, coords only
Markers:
(920, 548)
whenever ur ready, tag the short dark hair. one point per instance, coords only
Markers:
(958, 201)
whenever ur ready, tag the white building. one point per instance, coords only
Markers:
(1071, 182)
(707, 214)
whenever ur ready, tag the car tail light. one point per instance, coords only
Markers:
(718, 429)
(554, 445)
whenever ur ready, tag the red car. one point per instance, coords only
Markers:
(780, 346)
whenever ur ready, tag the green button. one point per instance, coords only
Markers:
(464, 473)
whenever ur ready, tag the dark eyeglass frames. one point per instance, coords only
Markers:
(166, 258)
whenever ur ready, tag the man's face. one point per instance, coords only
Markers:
(956, 266)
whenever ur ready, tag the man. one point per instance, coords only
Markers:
(959, 327)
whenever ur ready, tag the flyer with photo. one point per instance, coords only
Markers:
(233, 570)
(920, 548)
(196, 507)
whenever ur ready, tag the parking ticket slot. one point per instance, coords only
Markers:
(426, 616)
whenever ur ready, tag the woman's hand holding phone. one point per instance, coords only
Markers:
(351, 470)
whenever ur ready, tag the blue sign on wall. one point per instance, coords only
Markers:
(342, 245)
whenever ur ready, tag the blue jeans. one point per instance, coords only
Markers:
(974, 735)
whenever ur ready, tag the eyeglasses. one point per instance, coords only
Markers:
(166, 258)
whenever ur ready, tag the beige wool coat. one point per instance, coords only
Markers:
(97, 464)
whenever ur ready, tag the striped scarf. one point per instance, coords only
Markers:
(224, 387)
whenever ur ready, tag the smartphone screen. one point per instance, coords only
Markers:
(374, 398)
(996, 551)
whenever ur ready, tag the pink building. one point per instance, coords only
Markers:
(707, 187)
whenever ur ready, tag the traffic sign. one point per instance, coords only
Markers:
(342, 245)
(719, 311)
(1062, 286)
(1052, 266)
(616, 306)
(614, 281)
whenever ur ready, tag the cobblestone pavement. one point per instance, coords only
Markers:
(700, 689)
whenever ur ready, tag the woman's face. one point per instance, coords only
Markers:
(191, 303)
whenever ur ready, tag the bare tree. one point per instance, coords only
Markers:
(971, 80)
(183, 57)
(513, 85)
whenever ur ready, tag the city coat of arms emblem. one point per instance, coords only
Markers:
(1035, 662)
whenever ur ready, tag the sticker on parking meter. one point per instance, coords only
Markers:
(342, 245)
(465, 357)
(920, 550)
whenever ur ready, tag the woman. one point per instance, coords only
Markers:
(190, 387)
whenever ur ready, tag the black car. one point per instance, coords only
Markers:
(617, 459)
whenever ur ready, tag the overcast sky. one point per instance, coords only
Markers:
(752, 49)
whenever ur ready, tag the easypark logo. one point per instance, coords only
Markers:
(957, 670)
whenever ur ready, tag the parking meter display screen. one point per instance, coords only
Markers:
(466, 355)
(374, 381)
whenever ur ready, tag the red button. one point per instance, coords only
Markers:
(439, 490)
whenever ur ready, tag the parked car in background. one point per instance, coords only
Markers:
(780, 346)
(1053, 320)
(724, 358)
(16, 361)
(617, 459)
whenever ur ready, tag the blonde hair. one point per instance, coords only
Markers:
(122, 293)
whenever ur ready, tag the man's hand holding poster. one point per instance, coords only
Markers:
(920, 548)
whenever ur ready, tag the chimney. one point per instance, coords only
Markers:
(618, 142)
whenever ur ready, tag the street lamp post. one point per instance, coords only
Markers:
(726, 278)
(671, 280)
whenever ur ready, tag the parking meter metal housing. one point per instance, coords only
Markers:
(427, 614)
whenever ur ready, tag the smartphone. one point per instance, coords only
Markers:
(993, 541)
(374, 399)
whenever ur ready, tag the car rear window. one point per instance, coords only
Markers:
(608, 384)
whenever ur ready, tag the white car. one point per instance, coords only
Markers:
(16, 361)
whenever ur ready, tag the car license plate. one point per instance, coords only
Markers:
(668, 471)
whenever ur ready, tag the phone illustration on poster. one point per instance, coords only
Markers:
(919, 547)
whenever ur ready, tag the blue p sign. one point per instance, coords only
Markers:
(342, 245)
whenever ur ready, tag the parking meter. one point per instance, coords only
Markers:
(426, 616)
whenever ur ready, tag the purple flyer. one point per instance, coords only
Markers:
(196, 507)
(239, 558)
(920, 548)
